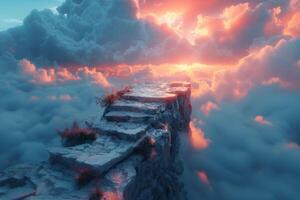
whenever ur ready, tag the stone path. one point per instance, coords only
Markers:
(136, 134)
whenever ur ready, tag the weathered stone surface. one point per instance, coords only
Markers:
(126, 116)
(99, 156)
(154, 92)
(135, 155)
(120, 178)
(136, 106)
(122, 130)
(15, 185)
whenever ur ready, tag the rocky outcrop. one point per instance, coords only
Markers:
(135, 155)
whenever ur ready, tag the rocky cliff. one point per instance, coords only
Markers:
(134, 156)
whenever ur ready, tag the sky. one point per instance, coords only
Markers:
(14, 11)
(241, 57)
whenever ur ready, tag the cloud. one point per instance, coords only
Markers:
(244, 141)
(236, 31)
(208, 107)
(261, 120)
(91, 32)
(12, 21)
(97, 33)
(244, 159)
(36, 103)
(292, 27)
(275, 64)
(221, 32)
(197, 138)
(61, 74)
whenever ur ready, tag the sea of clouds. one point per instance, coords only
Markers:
(249, 116)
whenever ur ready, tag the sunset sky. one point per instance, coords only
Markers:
(241, 56)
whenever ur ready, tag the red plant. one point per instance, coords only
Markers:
(84, 176)
(109, 99)
(151, 141)
(96, 194)
(77, 135)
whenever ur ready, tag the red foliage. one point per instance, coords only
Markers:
(84, 176)
(77, 135)
(109, 99)
(96, 194)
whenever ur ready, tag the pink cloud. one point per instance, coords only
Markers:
(46, 76)
(203, 178)
(197, 137)
(272, 64)
(293, 26)
(233, 15)
(27, 67)
(291, 145)
(65, 97)
(261, 120)
(208, 107)
(96, 76)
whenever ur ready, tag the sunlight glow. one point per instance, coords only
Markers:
(197, 137)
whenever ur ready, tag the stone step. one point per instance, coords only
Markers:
(122, 130)
(99, 156)
(136, 106)
(165, 97)
(150, 93)
(179, 90)
(181, 84)
(126, 116)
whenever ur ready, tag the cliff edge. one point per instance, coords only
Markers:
(134, 155)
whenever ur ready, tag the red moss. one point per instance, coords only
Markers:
(109, 99)
(77, 135)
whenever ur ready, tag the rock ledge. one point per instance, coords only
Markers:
(135, 155)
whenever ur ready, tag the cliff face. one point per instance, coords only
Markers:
(135, 155)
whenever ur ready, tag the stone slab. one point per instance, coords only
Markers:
(99, 156)
(126, 116)
(136, 106)
(151, 92)
(122, 130)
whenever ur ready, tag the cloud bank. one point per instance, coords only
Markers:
(245, 132)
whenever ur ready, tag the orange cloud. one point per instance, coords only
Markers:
(96, 76)
(203, 178)
(233, 15)
(208, 107)
(46, 76)
(261, 120)
(293, 26)
(197, 137)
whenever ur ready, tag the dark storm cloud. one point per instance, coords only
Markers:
(89, 32)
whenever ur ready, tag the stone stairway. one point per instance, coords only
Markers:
(135, 155)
